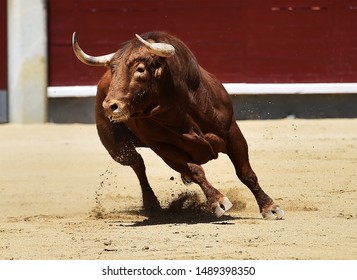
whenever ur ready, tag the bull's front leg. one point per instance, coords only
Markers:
(120, 143)
(150, 202)
(238, 153)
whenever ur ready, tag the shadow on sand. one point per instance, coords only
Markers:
(186, 209)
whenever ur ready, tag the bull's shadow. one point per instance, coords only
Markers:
(184, 210)
(184, 216)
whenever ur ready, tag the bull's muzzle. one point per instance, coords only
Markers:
(115, 110)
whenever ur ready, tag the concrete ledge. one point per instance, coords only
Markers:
(246, 107)
(3, 106)
(250, 101)
(308, 106)
(71, 110)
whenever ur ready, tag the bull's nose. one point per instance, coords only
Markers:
(112, 107)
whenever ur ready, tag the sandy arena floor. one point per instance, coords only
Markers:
(62, 197)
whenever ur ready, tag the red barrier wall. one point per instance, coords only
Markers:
(253, 41)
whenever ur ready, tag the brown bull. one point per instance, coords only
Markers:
(156, 95)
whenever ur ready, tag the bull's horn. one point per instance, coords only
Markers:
(160, 49)
(102, 60)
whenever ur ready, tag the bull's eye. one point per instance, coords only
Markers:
(140, 69)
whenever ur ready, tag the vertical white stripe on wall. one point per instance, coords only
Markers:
(27, 60)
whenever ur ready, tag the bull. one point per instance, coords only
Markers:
(155, 94)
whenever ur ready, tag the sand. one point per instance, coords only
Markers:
(63, 197)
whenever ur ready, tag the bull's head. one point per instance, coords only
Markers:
(135, 72)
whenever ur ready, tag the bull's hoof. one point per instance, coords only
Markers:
(273, 213)
(222, 207)
(152, 207)
(185, 180)
(152, 211)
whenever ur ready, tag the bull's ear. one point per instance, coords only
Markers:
(159, 65)
(158, 72)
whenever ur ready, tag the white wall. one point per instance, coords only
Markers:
(27, 60)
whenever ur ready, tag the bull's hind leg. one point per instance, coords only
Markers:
(219, 203)
(120, 143)
(238, 153)
(191, 172)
